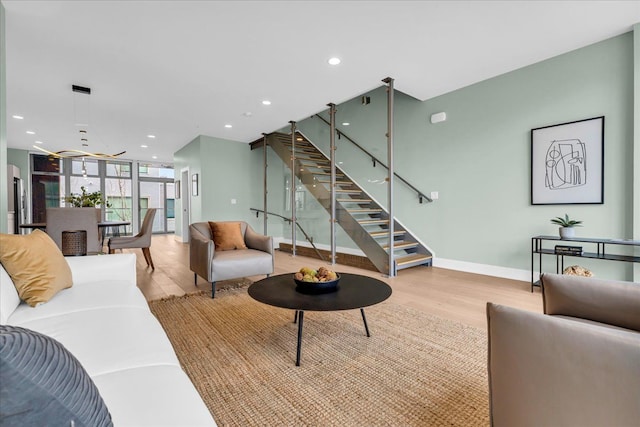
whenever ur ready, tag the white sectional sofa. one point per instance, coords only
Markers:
(105, 322)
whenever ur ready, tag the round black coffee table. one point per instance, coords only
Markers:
(354, 291)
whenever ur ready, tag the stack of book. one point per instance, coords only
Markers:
(568, 250)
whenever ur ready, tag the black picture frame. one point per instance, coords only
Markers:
(567, 163)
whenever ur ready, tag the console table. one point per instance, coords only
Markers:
(599, 245)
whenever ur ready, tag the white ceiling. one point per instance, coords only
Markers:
(177, 69)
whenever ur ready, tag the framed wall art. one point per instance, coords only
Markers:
(176, 187)
(567, 163)
(194, 184)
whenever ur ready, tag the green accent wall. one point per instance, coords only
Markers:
(479, 158)
(4, 207)
(224, 173)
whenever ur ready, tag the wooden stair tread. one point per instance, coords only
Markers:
(403, 245)
(364, 210)
(373, 221)
(412, 258)
(386, 233)
(354, 200)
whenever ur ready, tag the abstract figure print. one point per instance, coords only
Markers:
(566, 164)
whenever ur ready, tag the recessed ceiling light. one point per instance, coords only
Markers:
(346, 124)
(151, 136)
(39, 142)
(154, 157)
(334, 61)
(247, 114)
(266, 102)
(144, 146)
(30, 132)
(18, 117)
(228, 126)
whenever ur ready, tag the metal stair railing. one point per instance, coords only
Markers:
(289, 220)
(375, 160)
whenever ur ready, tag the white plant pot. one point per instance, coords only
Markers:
(567, 232)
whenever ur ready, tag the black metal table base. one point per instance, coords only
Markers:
(299, 319)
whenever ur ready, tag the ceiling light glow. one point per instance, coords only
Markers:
(346, 124)
(151, 136)
(39, 142)
(144, 146)
(334, 61)
(18, 117)
(228, 126)
(30, 132)
(154, 157)
(266, 102)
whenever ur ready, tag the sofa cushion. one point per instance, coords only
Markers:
(36, 266)
(153, 396)
(227, 235)
(89, 296)
(9, 298)
(109, 339)
(41, 383)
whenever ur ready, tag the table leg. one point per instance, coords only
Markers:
(301, 317)
(364, 319)
(295, 318)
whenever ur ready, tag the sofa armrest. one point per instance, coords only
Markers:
(550, 371)
(201, 251)
(89, 269)
(606, 301)
(258, 241)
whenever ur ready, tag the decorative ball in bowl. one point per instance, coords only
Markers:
(320, 281)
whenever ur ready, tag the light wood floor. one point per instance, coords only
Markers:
(446, 293)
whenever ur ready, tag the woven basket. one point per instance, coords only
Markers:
(74, 243)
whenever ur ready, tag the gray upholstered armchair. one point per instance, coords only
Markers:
(214, 265)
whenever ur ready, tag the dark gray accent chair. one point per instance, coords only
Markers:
(214, 265)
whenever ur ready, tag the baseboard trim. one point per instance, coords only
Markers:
(484, 269)
(450, 264)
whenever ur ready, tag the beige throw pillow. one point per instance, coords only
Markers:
(36, 266)
(227, 236)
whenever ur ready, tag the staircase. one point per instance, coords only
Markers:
(366, 222)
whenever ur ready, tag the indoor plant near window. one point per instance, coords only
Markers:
(87, 200)
(566, 226)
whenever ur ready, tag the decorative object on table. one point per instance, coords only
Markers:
(74, 243)
(568, 250)
(87, 200)
(320, 281)
(194, 184)
(567, 163)
(576, 270)
(566, 226)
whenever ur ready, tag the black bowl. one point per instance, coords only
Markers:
(317, 287)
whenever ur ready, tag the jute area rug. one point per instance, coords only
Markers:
(414, 370)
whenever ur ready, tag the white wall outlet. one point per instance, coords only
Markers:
(434, 195)
(234, 201)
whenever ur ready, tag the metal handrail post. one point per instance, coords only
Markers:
(264, 152)
(293, 188)
(332, 139)
(389, 82)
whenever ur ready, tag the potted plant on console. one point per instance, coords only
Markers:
(566, 226)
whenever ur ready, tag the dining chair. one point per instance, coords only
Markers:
(141, 240)
(72, 219)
